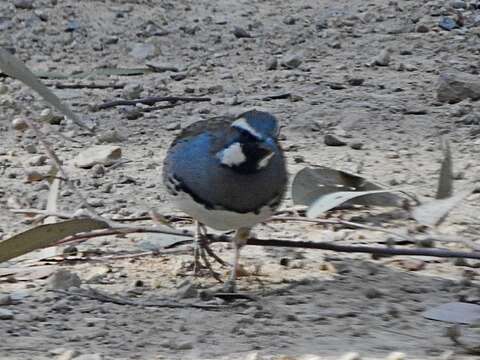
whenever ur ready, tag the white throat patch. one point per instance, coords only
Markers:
(232, 155)
(244, 125)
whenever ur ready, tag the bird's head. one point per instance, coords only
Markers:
(253, 143)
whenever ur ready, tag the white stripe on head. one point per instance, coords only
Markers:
(265, 161)
(232, 155)
(243, 124)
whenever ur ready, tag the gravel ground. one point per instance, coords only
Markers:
(365, 72)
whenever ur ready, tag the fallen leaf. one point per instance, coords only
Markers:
(454, 312)
(16, 69)
(434, 212)
(333, 200)
(310, 184)
(445, 181)
(156, 242)
(29, 273)
(44, 236)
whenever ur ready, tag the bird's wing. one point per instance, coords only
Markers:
(212, 124)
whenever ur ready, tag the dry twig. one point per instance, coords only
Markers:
(120, 300)
(149, 101)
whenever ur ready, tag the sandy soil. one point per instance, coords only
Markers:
(308, 302)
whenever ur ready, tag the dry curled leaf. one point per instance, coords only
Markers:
(445, 181)
(434, 212)
(44, 236)
(333, 200)
(310, 184)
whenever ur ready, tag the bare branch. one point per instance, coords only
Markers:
(150, 101)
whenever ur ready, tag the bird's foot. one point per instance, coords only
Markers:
(230, 286)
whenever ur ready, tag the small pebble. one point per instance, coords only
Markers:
(5, 300)
(241, 33)
(19, 124)
(372, 293)
(332, 140)
(396, 355)
(63, 279)
(447, 23)
(351, 356)
(292, 61)
(356, 146)
(272, 64)
(383, 59)
(6, 314)
(23, 4)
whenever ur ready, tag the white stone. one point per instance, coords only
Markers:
(98, 154)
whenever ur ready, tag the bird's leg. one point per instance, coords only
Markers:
(196, 248)
(205, 246)
(239, 240)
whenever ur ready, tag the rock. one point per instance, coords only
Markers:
(241, 33)
(30, 148)
(382, 59)
(422, 28)
(68, 354)
(373, 293)
(98, 154)
(458, 4)
(180, 345)
(48, 116)
(455, 86)
(356, 146)
(98, 170)
(186, 290)
(23, 4)
(132, 91)
(42, 14)
(134, 114)
(292, 61)
(332, 140)
(6, 300)
(412, 264)
(72, 25)
(19, 124)
(142, 51)
(253, 356)
(6, 314)
(37, 160)
(447, 23)
(89, 357)
(351, 356)
(110, 136)
(356, 81)
(63, 279)
(289, 20)
(470, 119)
(396, 355)
(272, 64)
(33, 175)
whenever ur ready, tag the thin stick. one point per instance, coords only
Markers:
(149, 101)
(340, 222)
(104, 297)
(441, 253)
(59, 85)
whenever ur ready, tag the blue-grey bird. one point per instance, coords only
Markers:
(228, 173)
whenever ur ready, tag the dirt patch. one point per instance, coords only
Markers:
(327, 75)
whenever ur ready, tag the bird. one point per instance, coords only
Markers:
(228, 173)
